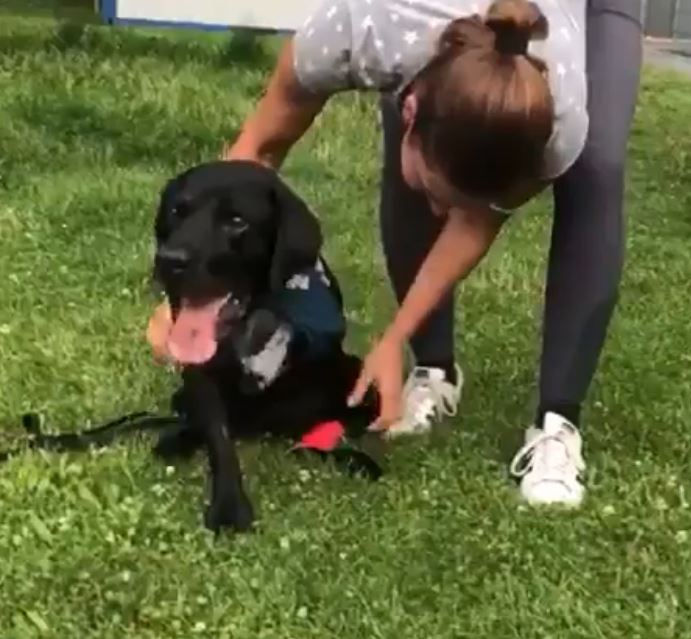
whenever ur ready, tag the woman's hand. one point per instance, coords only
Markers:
(383, 368)
(157, 331)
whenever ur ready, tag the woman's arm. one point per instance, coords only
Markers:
(464, 240)
(283, 115)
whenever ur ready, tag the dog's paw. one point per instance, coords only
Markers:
(178, 443)
(226, 512)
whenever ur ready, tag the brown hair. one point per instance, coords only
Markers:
(485, 110)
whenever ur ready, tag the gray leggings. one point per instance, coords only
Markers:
(587, 245)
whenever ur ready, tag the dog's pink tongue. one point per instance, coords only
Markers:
(192, 339)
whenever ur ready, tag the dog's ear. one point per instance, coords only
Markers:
(298, 236)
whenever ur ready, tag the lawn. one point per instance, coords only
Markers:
(109, 544)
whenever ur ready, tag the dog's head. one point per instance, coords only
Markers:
(226, 233)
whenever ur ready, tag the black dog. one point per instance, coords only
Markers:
(257, 322)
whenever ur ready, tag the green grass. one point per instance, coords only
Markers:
(110, 545)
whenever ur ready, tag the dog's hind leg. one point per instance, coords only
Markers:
(229, 505)
(179, 442)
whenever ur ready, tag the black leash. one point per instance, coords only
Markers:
(98, 437)
(348, 457)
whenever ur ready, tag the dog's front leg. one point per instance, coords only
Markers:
(229, 505)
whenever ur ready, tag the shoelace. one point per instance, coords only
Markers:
(424, 394)
(538, 454)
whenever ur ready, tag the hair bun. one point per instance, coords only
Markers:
(515, 23)
(463, 34)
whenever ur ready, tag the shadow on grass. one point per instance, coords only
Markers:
(241, 48)
(83, 125)
(79, 134)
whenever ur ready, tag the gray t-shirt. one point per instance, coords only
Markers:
(381, 45)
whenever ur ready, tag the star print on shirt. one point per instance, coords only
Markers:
(394, 36)
(410, 37)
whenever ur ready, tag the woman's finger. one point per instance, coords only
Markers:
(361, 386)
(388, 411)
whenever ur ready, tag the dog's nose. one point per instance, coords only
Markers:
(175, 260)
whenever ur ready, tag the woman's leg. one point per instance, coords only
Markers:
(586, 256)
(586, 252)
(408, 230)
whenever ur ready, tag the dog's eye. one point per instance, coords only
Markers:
(236, 226)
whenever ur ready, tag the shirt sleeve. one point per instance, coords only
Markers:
(323, 48)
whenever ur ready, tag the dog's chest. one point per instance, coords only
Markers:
(264, 365)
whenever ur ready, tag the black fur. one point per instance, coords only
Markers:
(236, 227)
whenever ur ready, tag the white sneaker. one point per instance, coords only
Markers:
(427, 398)
(550, 463)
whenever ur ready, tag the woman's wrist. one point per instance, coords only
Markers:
(396, 332)
(242, 150)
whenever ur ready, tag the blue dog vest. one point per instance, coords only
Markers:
(310, 319)
(309, 304)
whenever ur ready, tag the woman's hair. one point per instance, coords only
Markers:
(485, 110)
